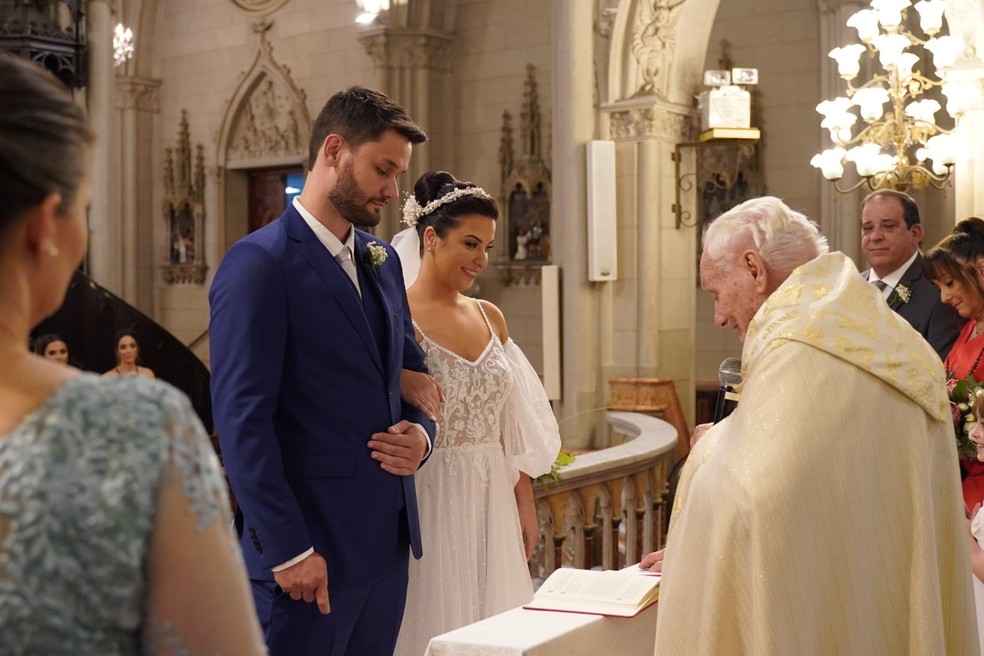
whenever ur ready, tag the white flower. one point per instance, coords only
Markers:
(903, 292)
(413, 212)
(374, 256)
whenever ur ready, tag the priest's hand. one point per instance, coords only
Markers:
(653, 562)
(699, 431)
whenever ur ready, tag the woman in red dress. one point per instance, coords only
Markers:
(956, 266)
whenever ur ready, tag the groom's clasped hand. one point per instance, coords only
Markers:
(400, 450)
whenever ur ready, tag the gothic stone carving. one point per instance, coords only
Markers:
(260, 7)
(268, 125)
(651, 122)
(413, 49)
(654, 43)
(138, 93)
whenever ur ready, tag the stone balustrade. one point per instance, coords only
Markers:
(607, 509)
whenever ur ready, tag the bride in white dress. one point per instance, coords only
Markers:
(496, 428)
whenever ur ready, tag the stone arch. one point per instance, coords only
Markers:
(266, 121)
(647, 56)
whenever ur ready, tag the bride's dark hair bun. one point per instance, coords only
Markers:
(966, 242)
(438, 184)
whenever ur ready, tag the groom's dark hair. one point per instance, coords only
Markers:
(358, 114)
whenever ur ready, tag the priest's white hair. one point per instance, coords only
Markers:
(784, 238)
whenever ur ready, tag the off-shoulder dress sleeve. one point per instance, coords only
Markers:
(199, 600)
(530, 436)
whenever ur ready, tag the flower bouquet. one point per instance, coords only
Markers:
(963, 393)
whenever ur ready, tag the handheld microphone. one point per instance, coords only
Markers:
(729, 377)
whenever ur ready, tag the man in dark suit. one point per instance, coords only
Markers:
(890, 237)
(310, 329)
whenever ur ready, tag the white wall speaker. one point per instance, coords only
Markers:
(602, 237)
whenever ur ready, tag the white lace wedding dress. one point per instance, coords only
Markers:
(495, 423)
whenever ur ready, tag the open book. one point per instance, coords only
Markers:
(619, 593)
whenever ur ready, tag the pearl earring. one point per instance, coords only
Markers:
(430, 250)
(53, 250)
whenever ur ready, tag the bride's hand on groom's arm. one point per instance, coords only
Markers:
(422, 392)
(307, 580)
(400, 450)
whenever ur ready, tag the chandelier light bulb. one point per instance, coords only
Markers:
(866, 23)
(830, 162)
(930, 15)
(946, 50)
(905, 64)
(943, 149)
(890, 47)
(890, 12)
(923, 110)
(864, 157)
(871, 101)
(847, 58)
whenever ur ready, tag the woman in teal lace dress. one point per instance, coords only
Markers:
(114, 528)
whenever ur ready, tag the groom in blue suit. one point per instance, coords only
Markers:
(310, 328)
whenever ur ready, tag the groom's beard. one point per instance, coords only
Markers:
(350, 202)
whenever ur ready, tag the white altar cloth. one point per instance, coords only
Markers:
(520, 632)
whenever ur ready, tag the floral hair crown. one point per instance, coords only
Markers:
(413, 212)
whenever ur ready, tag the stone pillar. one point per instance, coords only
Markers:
(412, 64)
(654, 314)
(574, 125)
(105, 244)
(135, 99)
(839, 217)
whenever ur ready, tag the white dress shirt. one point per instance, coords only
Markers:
(892, 279)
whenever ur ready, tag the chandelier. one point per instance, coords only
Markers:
(901, 145)
(122, 45)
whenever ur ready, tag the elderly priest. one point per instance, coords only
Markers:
(824, 516)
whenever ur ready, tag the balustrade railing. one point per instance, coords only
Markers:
(607, 509)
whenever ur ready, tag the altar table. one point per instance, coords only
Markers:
(520, 632)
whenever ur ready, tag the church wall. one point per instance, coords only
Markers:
(782, 40)
(203, 48)
(494, 42)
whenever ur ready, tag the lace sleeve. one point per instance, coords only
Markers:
(530, 436)
(199, 602)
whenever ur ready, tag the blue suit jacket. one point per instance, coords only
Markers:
(303, 373)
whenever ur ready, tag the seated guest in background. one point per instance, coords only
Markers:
(955, 265)
(976, 524)
(495, 432)
(823, 516)
(890, 238)
(114, 527)
(52, 347)
(127, 356)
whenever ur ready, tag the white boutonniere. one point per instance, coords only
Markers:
(903, 292)
(374, 256)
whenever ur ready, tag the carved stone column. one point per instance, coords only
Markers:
(656, 298)
(412, 65)
(136, 100)
(104, 235)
